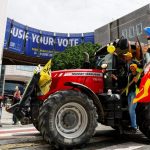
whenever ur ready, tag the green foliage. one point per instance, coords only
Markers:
(73, 57)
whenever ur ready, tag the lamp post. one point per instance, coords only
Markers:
(3, 19)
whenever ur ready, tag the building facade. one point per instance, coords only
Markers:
(12, 76)
(130, 26)
(18, 72)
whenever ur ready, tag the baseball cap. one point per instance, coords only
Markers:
(133, 65)
(128, 54)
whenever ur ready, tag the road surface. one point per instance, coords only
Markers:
(20, 137)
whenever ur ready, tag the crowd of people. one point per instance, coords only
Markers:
(130, 82)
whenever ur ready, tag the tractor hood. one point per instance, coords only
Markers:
(92, 78)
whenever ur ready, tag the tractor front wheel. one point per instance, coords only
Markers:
(67, 119)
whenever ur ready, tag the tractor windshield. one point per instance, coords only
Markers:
(107, 59)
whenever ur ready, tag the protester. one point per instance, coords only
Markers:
(133, 84)
(16, 99)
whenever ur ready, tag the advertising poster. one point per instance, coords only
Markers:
(16, 37)
(33, 42)
(61, 41)
(75, 39)
(7, 33)
(47, 44)
(37, 43)
(88, 37)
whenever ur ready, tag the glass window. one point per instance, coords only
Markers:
(131, 32)
(139, 29)
(106, 60)
(10, 87)
(124, 33)
(25, 68)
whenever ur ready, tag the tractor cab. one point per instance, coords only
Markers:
(106, 64)
(113, 71)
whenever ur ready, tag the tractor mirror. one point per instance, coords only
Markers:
(104, 66)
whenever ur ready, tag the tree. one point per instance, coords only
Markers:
(73, 57)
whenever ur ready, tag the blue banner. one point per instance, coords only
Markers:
(7, 33)
(47, 44)
(33, 42)
(37, 43)
(75, 39)
(88, 37)
(16, 37)
(61, 41)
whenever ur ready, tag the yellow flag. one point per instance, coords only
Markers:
(45, 78)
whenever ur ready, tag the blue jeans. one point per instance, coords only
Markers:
(132, 108)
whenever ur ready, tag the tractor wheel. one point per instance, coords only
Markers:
(143, 117)
(35, 120)
(67, 119)
(35, 106)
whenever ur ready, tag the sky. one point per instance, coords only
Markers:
(70, 16)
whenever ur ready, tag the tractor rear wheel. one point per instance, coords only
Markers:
(143, 118)
(67, 119)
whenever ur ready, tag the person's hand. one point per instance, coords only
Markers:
(37, 69)
(114, 77)
(135, 79)
(137, 45)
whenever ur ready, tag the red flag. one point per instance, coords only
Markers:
(143, 95)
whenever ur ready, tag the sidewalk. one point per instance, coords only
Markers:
(7, 120)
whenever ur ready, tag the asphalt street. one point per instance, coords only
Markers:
(20, 137)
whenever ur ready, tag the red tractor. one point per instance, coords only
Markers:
(77, 101)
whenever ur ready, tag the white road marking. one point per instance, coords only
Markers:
(17, 131)
(124, 146)
(129, 148)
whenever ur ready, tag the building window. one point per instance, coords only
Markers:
(124, 33)
(25, 68)
(131, 32)
(139, 29)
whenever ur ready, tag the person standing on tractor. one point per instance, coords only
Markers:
(128, 59)
(131, 93)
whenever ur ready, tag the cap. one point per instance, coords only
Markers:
(133, 65)
(128, 54)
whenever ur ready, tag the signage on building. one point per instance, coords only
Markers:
(33, 42)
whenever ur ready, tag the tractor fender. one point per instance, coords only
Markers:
(90, 94)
